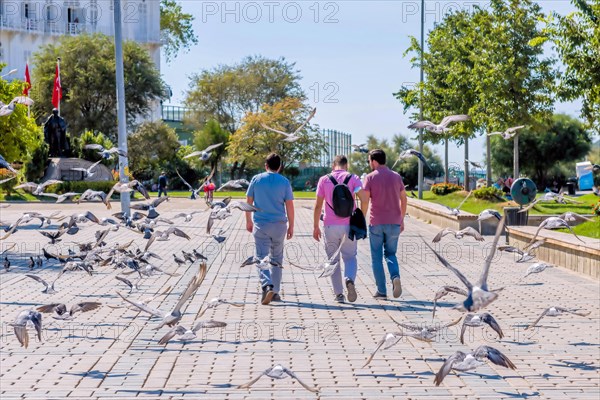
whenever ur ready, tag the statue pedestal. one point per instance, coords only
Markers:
(60, 168)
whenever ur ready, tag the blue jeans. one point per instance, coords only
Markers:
(162, 190)
(269, 240)
(384, 243)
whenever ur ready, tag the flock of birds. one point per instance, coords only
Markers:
(147, 223)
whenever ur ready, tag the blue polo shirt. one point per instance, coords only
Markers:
(270, 191)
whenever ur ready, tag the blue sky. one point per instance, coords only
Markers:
(350, 54)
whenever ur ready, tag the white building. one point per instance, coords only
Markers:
(26, 25)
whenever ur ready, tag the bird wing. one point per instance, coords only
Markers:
(37, 278)
(470, 231)
(242, 205)
(306, 121)
(482, 283)
(446, 264)
(454, 118)
(94, 165)
(515, 128)
(339, 249)
(193, 154)
(575, 312)
(253, 381)
(379, 344)
(491, 321)
(178, 232)
(212, 147)
(27, 186)
(50, 182)
(275, 130)
(510, 249)
(421, 125)
(441, 234)
(124, 280)
(84, 307)
(566, 225)
(79, 169)
(22, 335)
(176, 330)
(465, 199)
(94, 146)
(208, 325)
(48, 308)
(153, 311)
(294, 376)
(192, 287)
(542, 315)
(183, 180)
(447, 366)
(463, 328)
(494, 355)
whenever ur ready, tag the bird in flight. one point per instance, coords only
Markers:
(556, 311)
(105, 153)
(203, 154)
(293, 136)
(509, 133)
(442, 127)
(278, 371)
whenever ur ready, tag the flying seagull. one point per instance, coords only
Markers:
(123, 187)
(278, 372)
(90, 195)
(509, 133)
(477, 320)
(409, 153)
(195, 192)
(475, 164)
(460, 361)
(7, 109)
(216, 301)
(6, 164)
(442, 127)
(556, 311)
(293, 136)
(536, 268)
(88, 172)
(360, 148)
(48, 288)
(186, 335)
(150, 206)
(173, 317)
(468, 231)
(479, 296)
(164, 235)
(60, 197)
(37, 188)
(222, 210)
(328, 267)
(59, 310)
(104, 152)
(204, 154)
(424, 333)
(456, 211)
(525, 255)
(553, 223)
(28, 317)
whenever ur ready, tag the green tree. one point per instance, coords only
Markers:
(20, 137)
(176, 29)
(485, 64)
(576, 39)
(562, 140)
(89, 137)
(151, 148)
(88, 81)
(251, 143)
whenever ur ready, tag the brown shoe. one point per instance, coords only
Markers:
(267, 295)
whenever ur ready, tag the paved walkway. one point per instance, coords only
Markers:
(115, 352)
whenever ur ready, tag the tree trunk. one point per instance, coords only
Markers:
(516, 157)
(446, 160)
(467, 185)
(241, 170)
(232, 170)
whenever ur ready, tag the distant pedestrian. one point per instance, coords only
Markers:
(162, 184)
(272, 194)
(209, 189)
(336, 227)
(385, 191)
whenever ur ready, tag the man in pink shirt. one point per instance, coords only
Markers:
(336, 227)
(385, 190)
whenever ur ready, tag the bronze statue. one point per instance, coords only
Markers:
(55, 134)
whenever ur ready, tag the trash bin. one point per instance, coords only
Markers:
(514, 217)
(571, 188)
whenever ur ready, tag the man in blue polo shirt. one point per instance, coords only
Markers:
(272, 194)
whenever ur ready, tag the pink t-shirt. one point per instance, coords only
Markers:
(325, 190)
(384, 186)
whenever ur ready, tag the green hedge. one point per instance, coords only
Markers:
(442, 189)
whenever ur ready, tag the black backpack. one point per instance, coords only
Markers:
(342, 199)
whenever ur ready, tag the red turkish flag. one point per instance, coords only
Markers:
(27, 81)
(57, 92)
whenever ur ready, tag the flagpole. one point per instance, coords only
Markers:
(58, 67)
(28, 82)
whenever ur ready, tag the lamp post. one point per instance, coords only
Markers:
(420, 173)
(121, 121)
(12, 71)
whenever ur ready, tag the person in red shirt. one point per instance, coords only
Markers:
(385, 191)
(209, 188)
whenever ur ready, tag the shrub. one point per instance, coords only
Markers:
(36, 167)
(80, 186)
(442, 189)
(488, 193)
(596, 209)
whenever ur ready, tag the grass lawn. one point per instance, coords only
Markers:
(475, 206)
(588, 228)
(238, 194)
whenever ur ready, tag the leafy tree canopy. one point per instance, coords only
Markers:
(88, 82)
(176, 29)
(151, 147)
